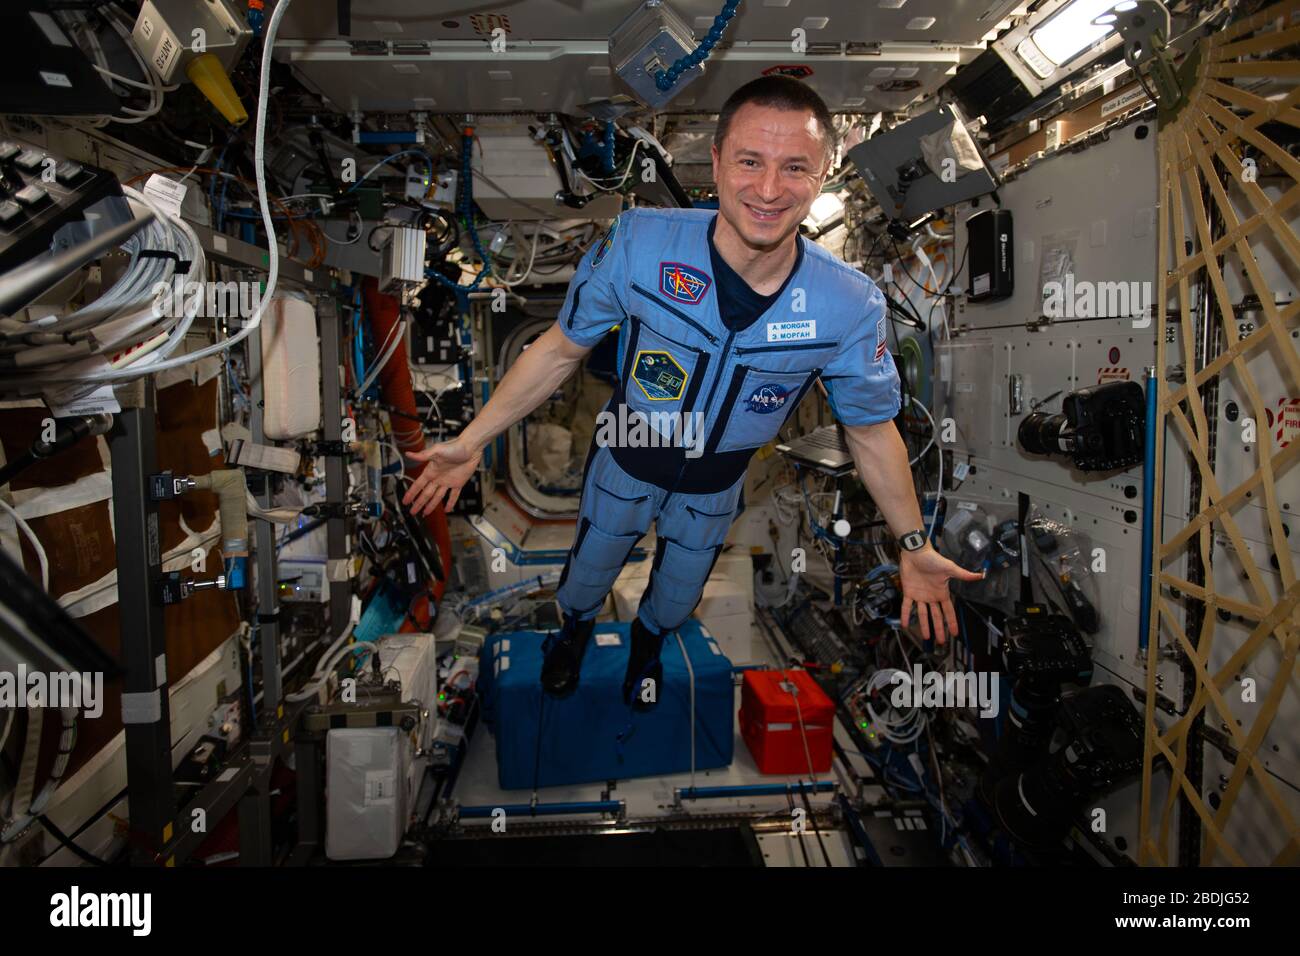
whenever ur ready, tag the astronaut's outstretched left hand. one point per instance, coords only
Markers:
(925, 575)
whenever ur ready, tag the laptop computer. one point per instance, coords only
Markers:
(823, 449)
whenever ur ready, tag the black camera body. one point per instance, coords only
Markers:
(1102, 428)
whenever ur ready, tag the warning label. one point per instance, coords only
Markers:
(1287, 421)
(1111, 373)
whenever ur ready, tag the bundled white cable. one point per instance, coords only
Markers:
(150, 82)
(273, 515)
(34, 541)
(510, 281)
(328, 661)
(141, 309)
(130, 326)
(896, 726)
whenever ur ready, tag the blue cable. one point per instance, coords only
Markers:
(465, 207)
(607, 155)
(664, 79)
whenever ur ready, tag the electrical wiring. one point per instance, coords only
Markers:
(510, 283)
(390, 346)
(144, 312)
(938, 490)
(626, 172)
(904, 728)
(151, 83)
(930, 444)
(274, 515)
(21, 819)
(135, 325)
(33, 541)
(388, 159)
(324, 670)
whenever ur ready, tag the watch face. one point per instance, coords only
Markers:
(912, 541)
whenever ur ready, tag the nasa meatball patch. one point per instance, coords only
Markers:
(769, 398)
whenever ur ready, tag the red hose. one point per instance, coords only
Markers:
(395, 388)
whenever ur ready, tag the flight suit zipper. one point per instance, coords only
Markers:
(677, 312)
(708, 402)
(785, 347)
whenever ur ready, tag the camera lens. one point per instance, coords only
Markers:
(1040, 434)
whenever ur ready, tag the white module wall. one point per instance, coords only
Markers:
(1091, 213)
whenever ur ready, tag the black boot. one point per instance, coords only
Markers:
(564, 653)
(643, 664)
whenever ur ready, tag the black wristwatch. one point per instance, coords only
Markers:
(913, 540)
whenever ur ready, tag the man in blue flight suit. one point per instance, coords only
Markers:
(725, 321)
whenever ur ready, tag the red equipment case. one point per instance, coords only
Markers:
(769, 721)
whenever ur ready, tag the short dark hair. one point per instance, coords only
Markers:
(780, 92)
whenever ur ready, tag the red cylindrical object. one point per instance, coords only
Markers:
(384, 312)
(770, 722)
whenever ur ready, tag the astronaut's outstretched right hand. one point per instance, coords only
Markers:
(448, 466)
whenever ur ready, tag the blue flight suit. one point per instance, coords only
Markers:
(650, 276)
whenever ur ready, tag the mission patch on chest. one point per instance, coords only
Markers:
(659, 375)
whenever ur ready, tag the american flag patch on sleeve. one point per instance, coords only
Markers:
(881, 344)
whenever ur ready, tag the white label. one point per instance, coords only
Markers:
(166, 193)
(792, 331)
(967, 505)
(960, 470)
(608, 640)
(219, 242)
(1125, 99)
(981, 284)
(56, 79)
(381, 787)
(80, 398)
(965, 387)
(165, 50)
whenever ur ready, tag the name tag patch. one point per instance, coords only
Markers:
(792, 331)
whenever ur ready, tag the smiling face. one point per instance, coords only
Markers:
(769, 168)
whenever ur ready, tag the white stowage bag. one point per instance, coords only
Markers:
(550, 447)
(366, 793)
(290, 369)
(952, 142)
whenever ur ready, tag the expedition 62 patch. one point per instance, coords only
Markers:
(659, 376)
